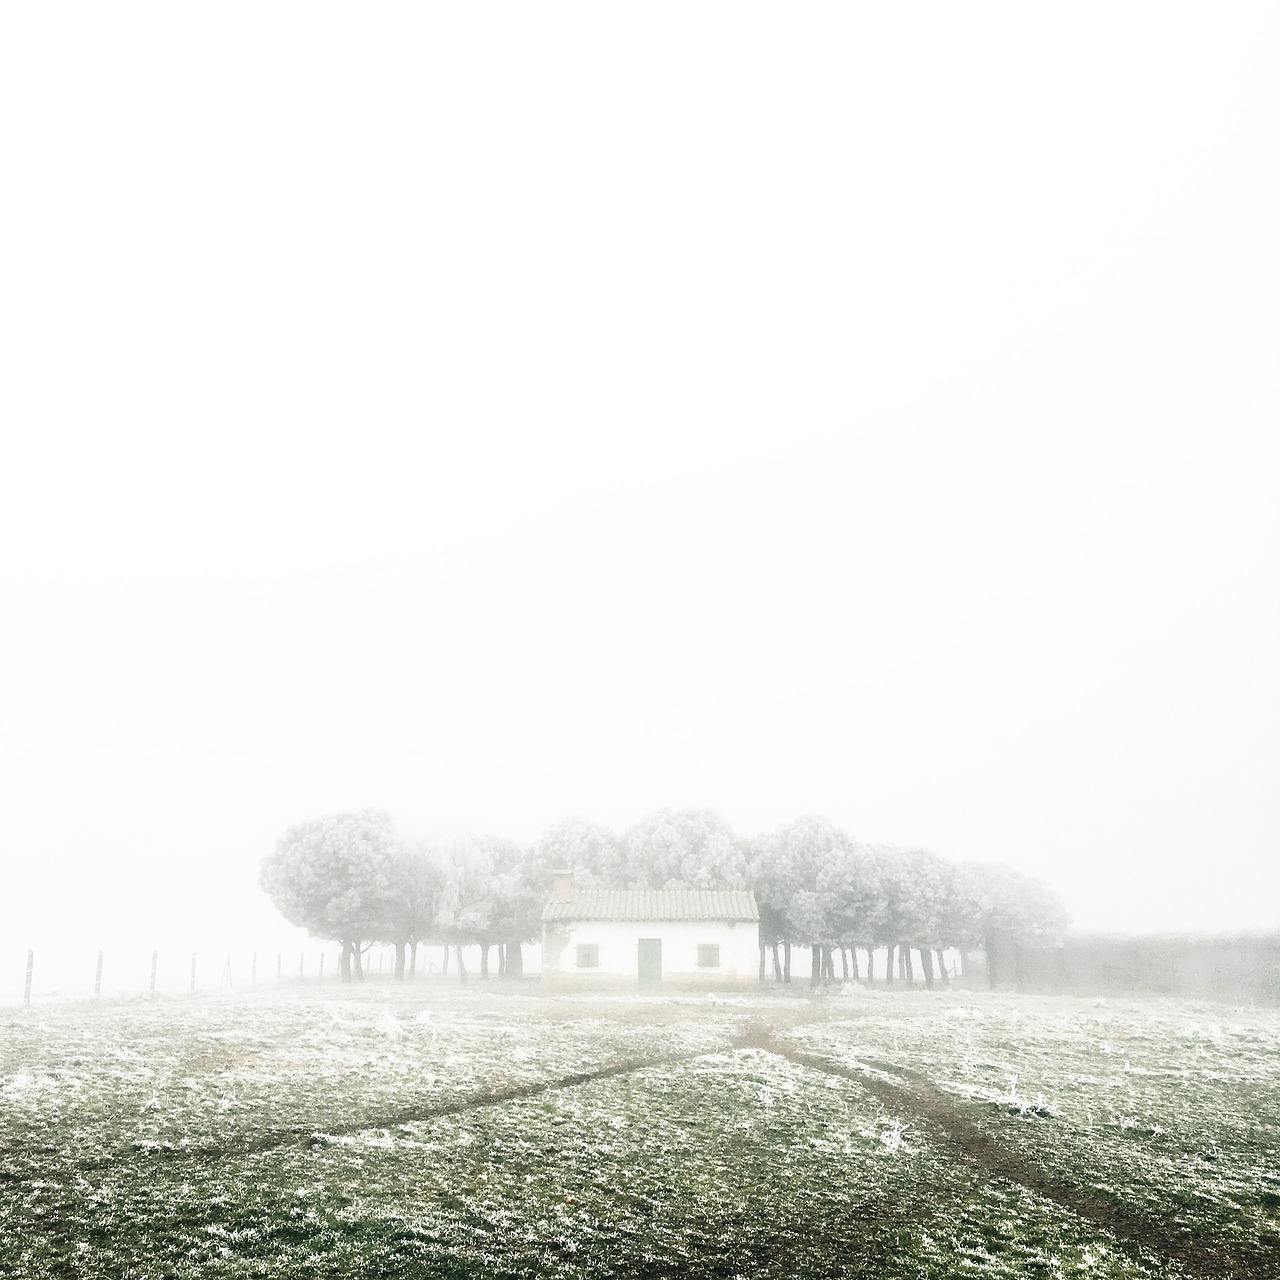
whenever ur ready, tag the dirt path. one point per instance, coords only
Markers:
(864, 1231)
(949, 1127)
(315, 1135)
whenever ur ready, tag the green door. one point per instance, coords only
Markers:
(649, 959)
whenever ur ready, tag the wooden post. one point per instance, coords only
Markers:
(155, 955)
(97, 978)
(322, 964)
(302, 955)
(26, 990)
(193, 971)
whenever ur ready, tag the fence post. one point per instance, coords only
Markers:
(26, 991)
(97, 977)
(302, 956)
(322, 964)
(193, 971)
(154, 956)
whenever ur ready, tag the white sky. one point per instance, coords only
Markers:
(498, 412)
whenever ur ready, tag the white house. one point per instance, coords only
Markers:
(627, 938)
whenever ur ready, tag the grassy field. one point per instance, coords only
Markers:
(432, 1131)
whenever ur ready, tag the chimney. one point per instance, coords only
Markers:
(561, 886)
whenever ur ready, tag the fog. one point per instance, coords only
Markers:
(495, 415)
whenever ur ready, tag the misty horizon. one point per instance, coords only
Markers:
(498, 437)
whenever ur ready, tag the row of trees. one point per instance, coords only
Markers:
(353, 877)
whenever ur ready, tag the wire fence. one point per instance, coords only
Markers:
(51, 973)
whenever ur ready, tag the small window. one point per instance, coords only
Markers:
(708, 955)
(588, 955)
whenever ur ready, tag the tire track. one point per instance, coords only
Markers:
(810, 1240)
(314, 1135)
(947, 1125)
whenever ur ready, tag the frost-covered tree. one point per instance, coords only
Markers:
(1012, 910)
(465, 865)
(510, 906)
(916, 888)
(418, 889)
(490, 896)
(339, 878)
(967, 905)
(684, 849)
(589, 849)
(896, 908)
(849, 884)
(923, 913)
(784, 873)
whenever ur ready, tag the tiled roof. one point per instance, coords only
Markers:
(654, 904)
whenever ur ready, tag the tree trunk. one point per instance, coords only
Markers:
(515, 960)
(762, 950)
(358, 956)
(942, 968)
(991, 959)
(413, 959)
(871, 965)
(828, 965)
(786, 961)
(844, 964)
(888, 966)
(815, 964)
(344, 962)
(964, 963)
(484, 961)
(902, 962)
(462, 966)
(444, 966)
(399, 968)
(777, 963)
(853, 960)
(502, 959)
(926, 963)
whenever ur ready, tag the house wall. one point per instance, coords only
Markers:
(618, 946)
